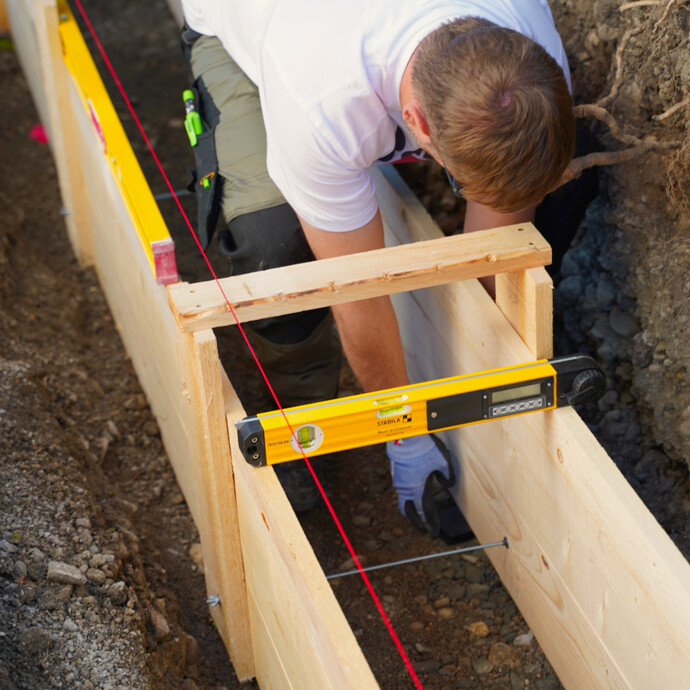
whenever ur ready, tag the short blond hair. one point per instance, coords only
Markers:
(499, 112)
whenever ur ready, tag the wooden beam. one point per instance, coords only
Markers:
(358, 276)
(526, 300)
(216, 516)
(600, 583)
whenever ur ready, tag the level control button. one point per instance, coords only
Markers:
(517, 406)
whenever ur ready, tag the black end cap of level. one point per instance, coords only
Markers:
(250, 436)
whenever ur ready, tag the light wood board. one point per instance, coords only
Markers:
(598, 580)
(358, 276)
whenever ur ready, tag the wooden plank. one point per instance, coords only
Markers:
(358, 276)
(63, 139)
(598, 580)
(526, 300)
(26, 44)
(217, 512)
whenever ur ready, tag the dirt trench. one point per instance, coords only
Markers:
(85, 480)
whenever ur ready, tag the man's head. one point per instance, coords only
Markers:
(496, 110)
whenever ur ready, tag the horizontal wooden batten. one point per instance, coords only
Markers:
(358, 276)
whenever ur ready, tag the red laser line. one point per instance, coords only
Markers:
(331, 510)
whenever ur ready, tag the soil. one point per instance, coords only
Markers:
(101, 582)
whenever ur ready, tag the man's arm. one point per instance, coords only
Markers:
(368, 328)
(371, 340)
(479, 217)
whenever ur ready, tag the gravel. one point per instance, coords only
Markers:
(56, 623)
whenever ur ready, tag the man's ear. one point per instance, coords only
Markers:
(415, 120)
(417, 124)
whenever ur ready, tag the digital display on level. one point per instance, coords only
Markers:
(527, 391)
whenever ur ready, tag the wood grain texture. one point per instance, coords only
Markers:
(28, 46)
(216, 517)
(526, 300)
(358, 276)
(598, 580)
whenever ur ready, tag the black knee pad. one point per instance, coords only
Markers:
(271, 238)
(264, 239)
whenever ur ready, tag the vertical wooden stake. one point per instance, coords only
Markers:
(526, 300)
(217, 515)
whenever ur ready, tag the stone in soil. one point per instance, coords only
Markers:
(65, 574)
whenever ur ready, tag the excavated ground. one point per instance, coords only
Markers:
(101, 584)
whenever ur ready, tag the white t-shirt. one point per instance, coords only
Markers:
(328, 75)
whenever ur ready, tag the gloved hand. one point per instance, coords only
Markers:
(414, 464)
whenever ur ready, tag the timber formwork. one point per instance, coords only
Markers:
(599, 582)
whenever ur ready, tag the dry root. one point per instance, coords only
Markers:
(637, 147)
(596, 111)
(591, 160)
(618, 74)
(673, 109)
(679, 166)
(677, 188)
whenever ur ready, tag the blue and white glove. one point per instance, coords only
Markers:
(414, 463)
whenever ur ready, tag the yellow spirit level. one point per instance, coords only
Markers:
(361, 420)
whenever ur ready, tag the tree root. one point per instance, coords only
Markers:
(673, 109)
(679, 166)
(598, 158)
(596, 111)
(678, 174)
(641, 3)
(637, 147)
(618, 76)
